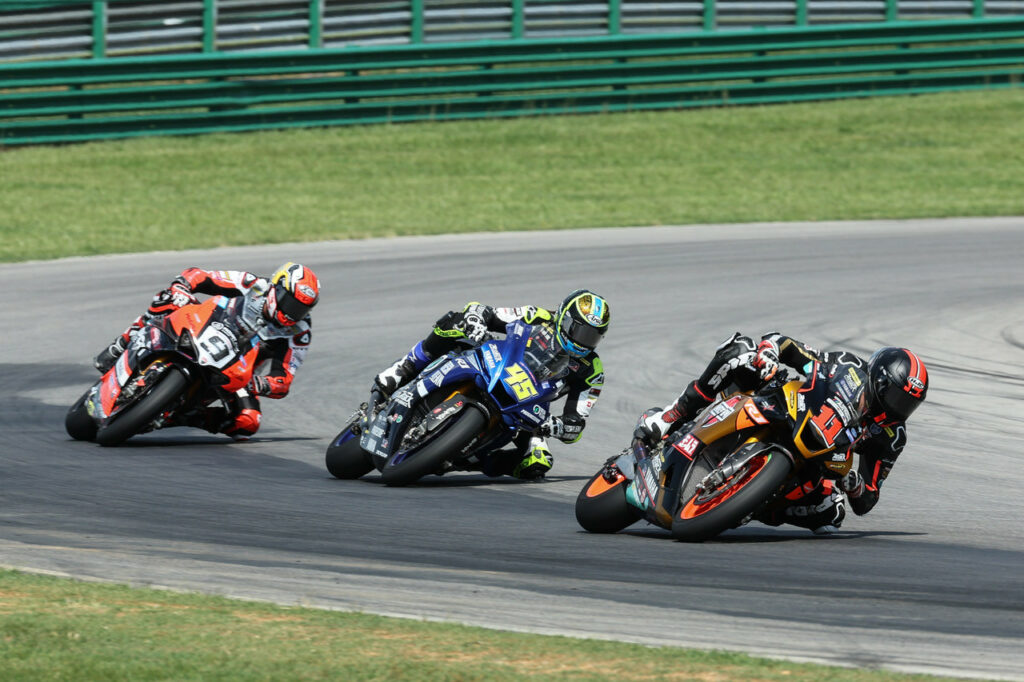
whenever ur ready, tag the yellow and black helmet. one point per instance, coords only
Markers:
(581, 322)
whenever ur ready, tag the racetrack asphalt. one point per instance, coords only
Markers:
(932, 580)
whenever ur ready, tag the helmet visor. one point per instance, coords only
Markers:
(289, 307)
(580, 334)
(898, 403)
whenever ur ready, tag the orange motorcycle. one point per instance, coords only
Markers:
(183, 361)
(739, 458)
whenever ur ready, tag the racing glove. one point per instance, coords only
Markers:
(767, 359)
(172, 298)
(566, 429)
(852, 484)
(474, 328)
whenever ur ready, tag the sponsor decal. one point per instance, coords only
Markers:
(462, 363)
(853, 376)
(650, 483)
(687, 445)
(915, 385)
(656, 464)
(531, 416)
(377, 431)
(839, 457)
(755, 414)
(403, 398)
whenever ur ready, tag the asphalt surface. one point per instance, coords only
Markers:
(932, 580)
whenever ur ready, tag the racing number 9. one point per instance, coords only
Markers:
(520, 383)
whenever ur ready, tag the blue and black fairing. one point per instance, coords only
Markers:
(512, 381)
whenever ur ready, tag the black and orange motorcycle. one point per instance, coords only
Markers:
(180, 362)
(739, 458)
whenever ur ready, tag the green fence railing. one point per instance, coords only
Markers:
(50, 29)
(88, 99)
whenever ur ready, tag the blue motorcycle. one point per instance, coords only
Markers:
(461, 407)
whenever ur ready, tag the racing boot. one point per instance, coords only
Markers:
(109, 355)
(404, 369)
(537, 463)
(106, 359)
(659, 424)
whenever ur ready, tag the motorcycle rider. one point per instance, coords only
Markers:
(287, 298)
(882, 391)
(578, 323)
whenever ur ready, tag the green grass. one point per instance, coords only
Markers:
(53, 629)
(931, 156)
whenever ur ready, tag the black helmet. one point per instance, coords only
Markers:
(897, 383)
(581, 321)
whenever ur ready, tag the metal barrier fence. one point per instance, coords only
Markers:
(86, 99)
(58, 29)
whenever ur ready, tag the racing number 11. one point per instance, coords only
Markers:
(828, 423)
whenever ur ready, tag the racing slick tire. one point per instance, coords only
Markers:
(601, 506)
(137, 416)
(702, 517)
(428, 457)
(345, 459)
(78, 422)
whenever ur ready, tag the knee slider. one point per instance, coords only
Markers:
(246, 423)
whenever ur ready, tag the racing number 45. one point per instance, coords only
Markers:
(520, 383)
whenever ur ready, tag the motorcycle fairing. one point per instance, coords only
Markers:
(496, 368)
(203, 334)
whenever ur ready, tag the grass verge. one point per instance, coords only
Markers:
(55, 629)
(953, 154)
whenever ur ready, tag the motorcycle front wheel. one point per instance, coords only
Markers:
(137, 416)
(407, 467)
(705, 515)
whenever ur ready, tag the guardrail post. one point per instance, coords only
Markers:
(892, 10)
(801, 12)
(709, 15)
(518, 18)
(416, 25)
(614, 17)
(99, 29)
(979, 9)
(316, 23)
(209, 25)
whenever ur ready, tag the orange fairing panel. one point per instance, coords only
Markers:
(240, 373)
(599, 486)
(192, 317)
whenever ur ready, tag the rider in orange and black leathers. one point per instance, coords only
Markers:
(875, 404)
(288, 296)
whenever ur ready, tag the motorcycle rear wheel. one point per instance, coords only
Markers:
(347, 460)
(601, 507)
(428, 457)
(78, 423)
(136, 417)
(697, 520)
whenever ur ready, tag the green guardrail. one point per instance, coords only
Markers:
(79, 100)
(218, 24)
